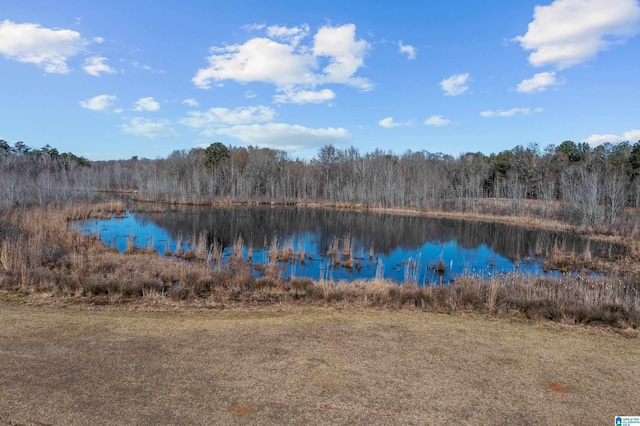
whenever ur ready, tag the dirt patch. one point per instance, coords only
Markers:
(241, 410)
(557, 387)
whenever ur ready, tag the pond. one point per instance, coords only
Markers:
(344, 245)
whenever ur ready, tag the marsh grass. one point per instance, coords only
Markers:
(40, 254)
(201, 246)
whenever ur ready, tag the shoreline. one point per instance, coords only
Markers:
(524, 221)
(43, 260)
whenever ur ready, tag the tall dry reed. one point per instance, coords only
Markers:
(40, 252)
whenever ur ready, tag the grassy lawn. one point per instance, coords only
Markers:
(308, 365)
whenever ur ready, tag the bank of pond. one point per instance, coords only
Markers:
(347, 245)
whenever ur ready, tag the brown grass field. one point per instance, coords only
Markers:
(175, 363)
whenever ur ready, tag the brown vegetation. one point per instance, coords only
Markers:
(40, 254)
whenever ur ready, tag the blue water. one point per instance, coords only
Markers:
(416, 262)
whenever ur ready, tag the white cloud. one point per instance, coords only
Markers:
(388, 123)
(138, 65)
(96, 65)
(455, 85)
(408, 50)
(149, 129)
(191, 102)
(632, 136)
(253, 27)
(99, 103)
(259, 59)
(436, 120)
(291, 35)
(569, 32)
(305, 97)
(48, 48)
(345, 53)
(146, 104)
(285, 136)
(538, 83)
(216, 117)
(510, 112)
(288, 64)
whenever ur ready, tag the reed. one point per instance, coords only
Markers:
(301, 255)
(334, 248)
(347, 247)
(201, 246)
(412, 270)
(287, 253)
(178, 251)
(40, 253)
(215, 255)
(273, 250)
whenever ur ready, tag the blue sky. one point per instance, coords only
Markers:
(113, 79)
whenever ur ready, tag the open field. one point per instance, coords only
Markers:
(307, 365)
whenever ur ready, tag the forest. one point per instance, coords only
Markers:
(595, 187)
(569, 187)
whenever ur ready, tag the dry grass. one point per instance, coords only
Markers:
(306, 366)
(39, 255)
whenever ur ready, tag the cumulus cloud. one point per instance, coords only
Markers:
(149, 129)
(216, 117)
(147, 104)
(283, 60)
(630, 136)
(388, 123)
(285, 136)
(191, 102)
(436, 120)
(510, 112)
(259, 59)
(99, 103)
(96, 65)
(305, 97)
(455, 85)
(408, 50)
(291, 35)
(569, 32)
(47, 48)
(345, 54)
(538, 83)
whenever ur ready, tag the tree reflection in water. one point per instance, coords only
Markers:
(409, 248)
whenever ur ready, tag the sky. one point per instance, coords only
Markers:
(115, 79)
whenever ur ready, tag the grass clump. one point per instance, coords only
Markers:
(40, 254)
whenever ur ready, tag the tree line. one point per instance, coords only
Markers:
(39, 176)
(572, 181)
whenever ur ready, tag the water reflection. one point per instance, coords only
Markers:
(348, 245)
